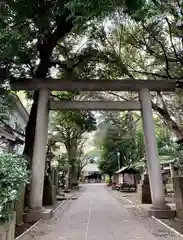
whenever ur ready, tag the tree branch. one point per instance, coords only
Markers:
(116, 95)
(162, 47)
(171, 40)
(170, 122)
(153, 74)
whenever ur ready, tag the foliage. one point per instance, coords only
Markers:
(132, 148)
(69, 128)
(120, 138)
(166, 145)
(107, 179)
(62, 160)
(30, 32)
(32, 36)
(27, 27)
(146, 43)
(142, 40)
(13, 173)
(168, 149)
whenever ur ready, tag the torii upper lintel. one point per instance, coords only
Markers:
(94, 85)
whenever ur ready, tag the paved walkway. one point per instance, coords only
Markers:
(97, 215)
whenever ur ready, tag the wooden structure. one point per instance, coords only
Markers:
(8, 140)
(127, 178)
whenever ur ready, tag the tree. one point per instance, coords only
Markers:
(13, 173)
(160, 25)
(32, 30)
(147, 45)
(69, 129)
(121, 137)
(82, 159)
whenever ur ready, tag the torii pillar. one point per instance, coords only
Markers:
(36, 211)
(159, 207)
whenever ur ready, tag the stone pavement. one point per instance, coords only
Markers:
(97, 215)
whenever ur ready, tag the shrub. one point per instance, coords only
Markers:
(13, 173)
(107, 179)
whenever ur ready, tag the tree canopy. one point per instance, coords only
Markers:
(134, 39)
(69, 129)
(122, 143)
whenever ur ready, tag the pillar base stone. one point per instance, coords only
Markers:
(160, 207)
(165, 212)
(161, 213)
(19, 224)
(180, 215)
(34, 215)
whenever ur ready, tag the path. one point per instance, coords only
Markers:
(97, 215)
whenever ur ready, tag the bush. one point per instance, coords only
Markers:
(13, 173)
(107, 179)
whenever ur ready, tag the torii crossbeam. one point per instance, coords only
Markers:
(94, 85)
(95, 105)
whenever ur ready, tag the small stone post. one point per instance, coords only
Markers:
(20, 206)
(178, 195)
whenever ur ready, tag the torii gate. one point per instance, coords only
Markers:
(144, 105)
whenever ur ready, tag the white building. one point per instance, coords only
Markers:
(12, 129)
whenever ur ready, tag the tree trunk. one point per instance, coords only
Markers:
(45, 48)
(79, 173)
(110, 179)
(74, 175)
(69, 152)
(30, 128)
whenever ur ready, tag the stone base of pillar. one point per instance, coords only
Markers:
(148, 211)
(179, 215)
(161, 213)
(163, 207)
(146, 192)
(34, 215)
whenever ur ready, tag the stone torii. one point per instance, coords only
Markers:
(143, 87)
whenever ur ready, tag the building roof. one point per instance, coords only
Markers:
(7, 131)
(127, 168)
(121, 170)
(7, 135)
(21, 107)
(91, 167)
(10, 136)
